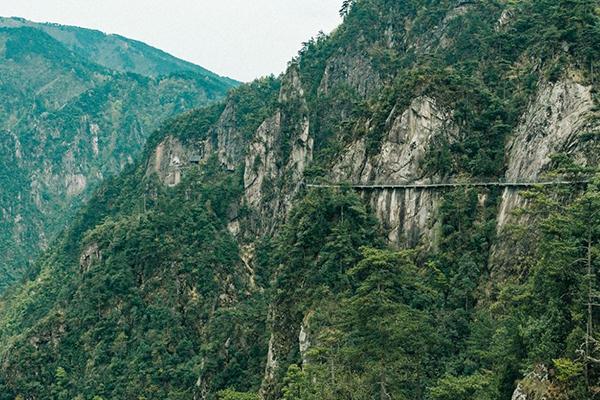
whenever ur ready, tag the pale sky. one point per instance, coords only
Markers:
(242, 39)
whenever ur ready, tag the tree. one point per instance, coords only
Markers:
(390, 332)
(587, 212)
(346, 6)
(562, 285)
(231, 394)
(473, 387)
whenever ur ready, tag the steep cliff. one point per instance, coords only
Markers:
(211, 265)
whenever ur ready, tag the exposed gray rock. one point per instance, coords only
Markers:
(271, 365)
(260, 164)
(75, 184)
(167, 161)
(505, 18)
(407, 215)
(534, 386)
(271, 183)
(438, 37)
(90, 255)
(552, 124)
(230, 145)
(304, 340)
(355, 71)
(247, 253)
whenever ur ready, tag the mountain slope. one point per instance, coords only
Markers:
(115, 52)
(66, 123)
(183, 279)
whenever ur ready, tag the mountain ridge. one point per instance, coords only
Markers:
(101, 47)
(68, 122)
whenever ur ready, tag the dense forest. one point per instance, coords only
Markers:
(232, 279)
(66, 122)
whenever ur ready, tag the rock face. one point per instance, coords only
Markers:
(439, 37)
(534, 386)
(408, 215)
(229, 146)
(167, 161)
(259, 165)
(355, 71)
(553, 123)
(90, 255)
(274, 174)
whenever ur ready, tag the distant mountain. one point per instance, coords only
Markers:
(69, 119)
(114, 51)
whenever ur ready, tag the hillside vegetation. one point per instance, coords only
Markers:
(68, 122)
(231, 279)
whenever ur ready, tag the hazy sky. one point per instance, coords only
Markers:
(242, 39)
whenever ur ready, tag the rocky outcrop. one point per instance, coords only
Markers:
(304, 339)
(90, 255)
(401, 157)
(407, 215)
(229, 146)
(439, 36)
(171, 158)
(534, 386)
(355, 71)
(75, 184)
(553, 123)
(505, 19)
(167, 161)
(272, 175)
(259, 165)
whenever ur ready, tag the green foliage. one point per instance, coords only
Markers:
(462, 388)
(367, 347)
(364, 337)
(233, 395)
(322, 253)
(165, 306)
(68, 122)
(148, 307)
(567, 370)
(297, 385)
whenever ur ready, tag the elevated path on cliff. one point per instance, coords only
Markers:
(450, 185)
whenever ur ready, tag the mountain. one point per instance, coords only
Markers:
(115, 52)
(252, 252)
(67, 122)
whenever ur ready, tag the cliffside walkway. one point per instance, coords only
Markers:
(446, 185)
